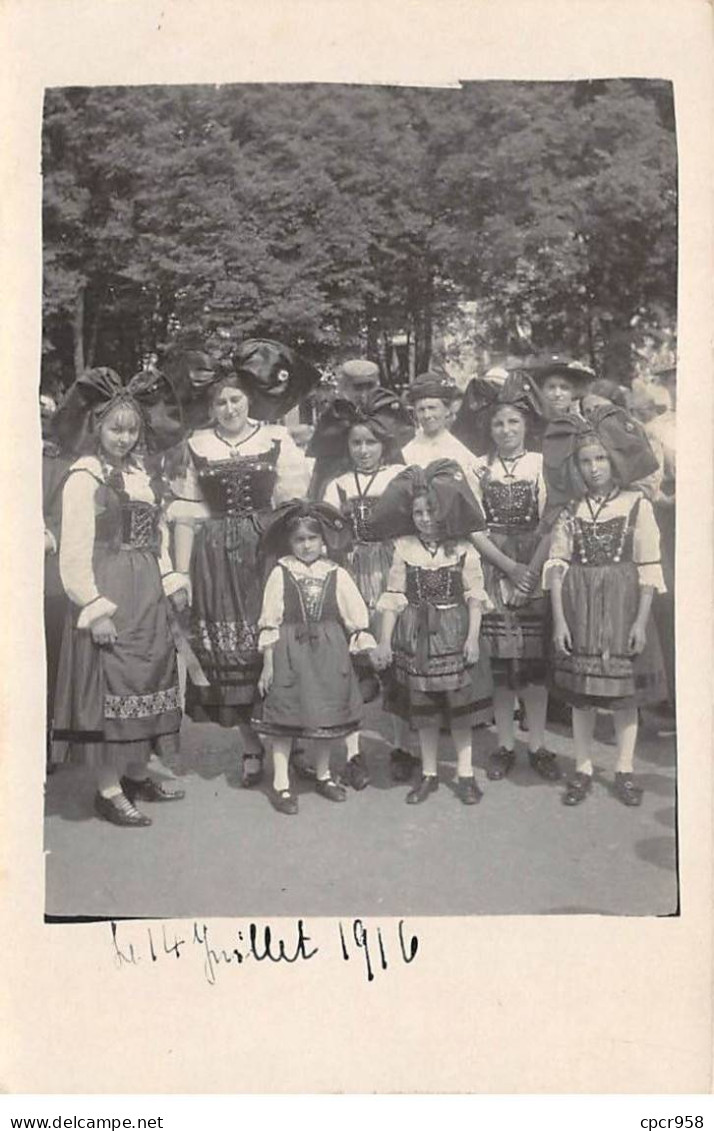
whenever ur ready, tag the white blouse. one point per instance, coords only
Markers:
(527, 467)
(410, 550)
(646, 550)
(79, 511)
(350, 603)
(293, 473)
(370, 485)
(423, 450)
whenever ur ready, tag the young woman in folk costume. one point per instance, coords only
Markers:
(603, 570)
(234, 473)
(431, 616)
(117, 693)
(512, 494)
(313, 618)
(368, 437)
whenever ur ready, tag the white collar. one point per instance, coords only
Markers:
(320, 568)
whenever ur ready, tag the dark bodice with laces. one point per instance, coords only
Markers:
(239, 485)
(603, 543)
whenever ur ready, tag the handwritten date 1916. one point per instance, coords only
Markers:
(258, 944)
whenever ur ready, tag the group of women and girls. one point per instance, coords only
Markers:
(458, 564)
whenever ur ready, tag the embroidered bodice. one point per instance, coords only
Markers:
(441, 586)
(309, 598)
(240, 484)
(511, 503)
(602, 543)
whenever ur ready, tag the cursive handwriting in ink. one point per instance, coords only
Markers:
(364, 940)
(213, 957)
(121, 957)
(301, 945)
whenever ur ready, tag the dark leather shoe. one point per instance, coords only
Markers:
(545, 764)
(249, 778)
(500, 764)
(284, 801)
(626, 791)
(402, 764)
(328, 788)
(119, 810)
(150, 790)
(577, 789)
(428, 783)
(467, 791)
(356, 773)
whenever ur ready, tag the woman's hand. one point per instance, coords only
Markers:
(50, 544)
(179, 600)
(381, 656)
(636, 639)
(266, 676)
(471, 651)
(104, 632)
(561, 636)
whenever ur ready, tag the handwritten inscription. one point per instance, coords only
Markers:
(379, 947)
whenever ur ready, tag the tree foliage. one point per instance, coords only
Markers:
(338, 217)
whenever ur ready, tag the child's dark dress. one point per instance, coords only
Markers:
(606, 550)
(314, 616)
(430, 683)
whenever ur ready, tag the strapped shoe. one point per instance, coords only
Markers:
(402, 765)
(626, 791)
(577, 789)
(467, 791)
(284, 801)
(118, 810)
(544, 763)
(428, 783)
(330, 789)
(148, 789)
(500, 764)
(356, 773)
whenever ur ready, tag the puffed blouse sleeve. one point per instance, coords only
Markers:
(332, 495)
(171, 579)
(541, 488)
(561, 549)
(354, 613)
(472, 577)
(77, 548)
(646, 548)
(187, 505)
(394, 599)
(271, 614)
(293, 471)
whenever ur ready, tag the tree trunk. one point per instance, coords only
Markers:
(78, 331)
(93, 338)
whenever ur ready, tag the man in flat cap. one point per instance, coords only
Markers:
(358, 378)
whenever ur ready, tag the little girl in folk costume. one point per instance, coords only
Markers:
(431, 616)
(603, 570)
(512, 493)
(313, 619)
(117, 688)
(368, 436)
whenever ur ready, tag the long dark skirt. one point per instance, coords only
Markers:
(227, 581)
(600, 604)
(114, 705)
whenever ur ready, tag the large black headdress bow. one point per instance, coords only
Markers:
(623, 438)
(455, 508)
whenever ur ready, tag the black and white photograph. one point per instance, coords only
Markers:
(358, 410)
